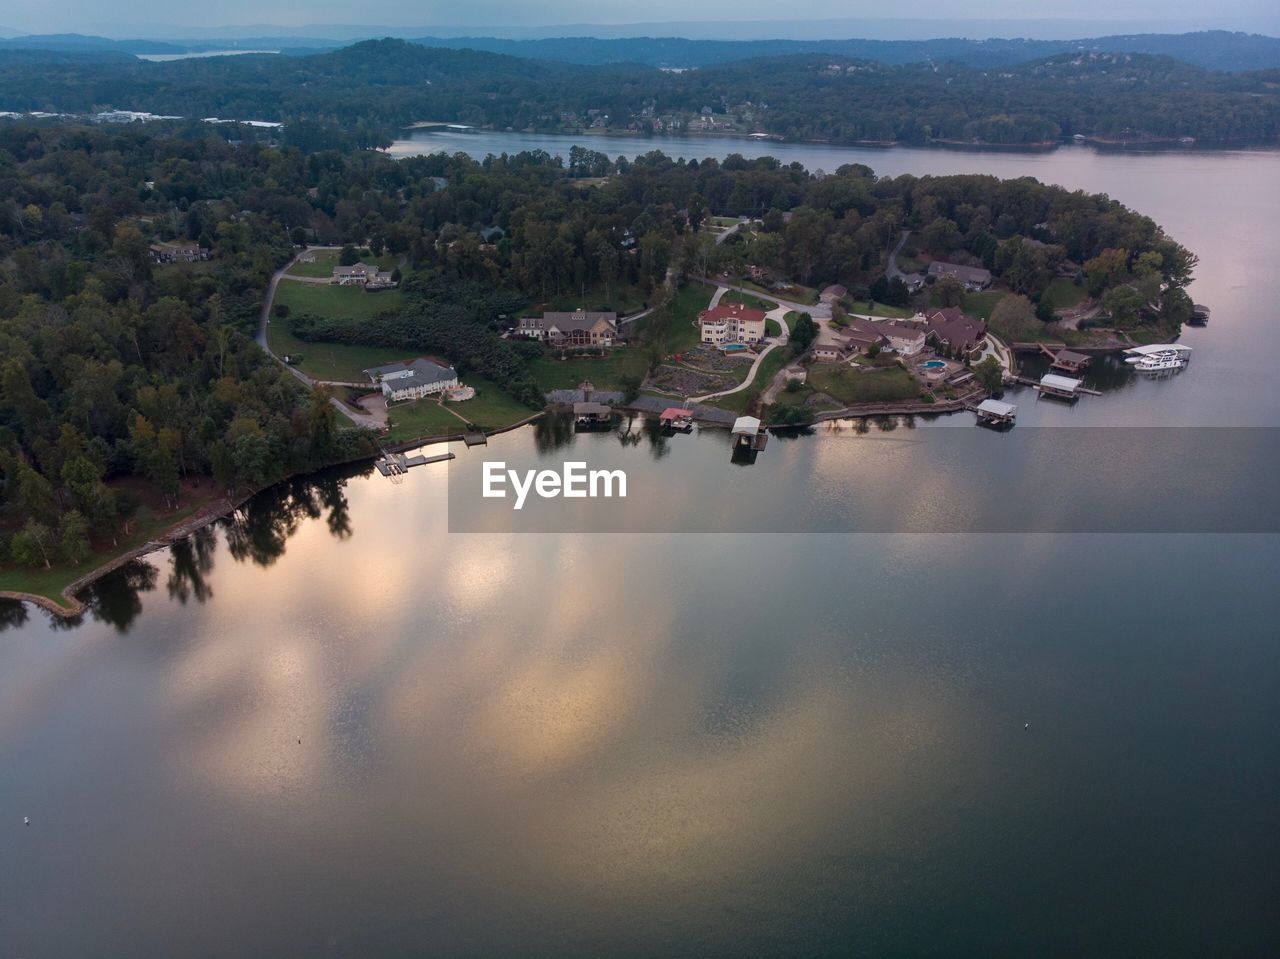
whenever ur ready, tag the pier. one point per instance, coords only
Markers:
(397, 464)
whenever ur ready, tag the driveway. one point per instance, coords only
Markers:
(359, 419)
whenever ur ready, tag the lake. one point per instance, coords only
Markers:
(372, 719)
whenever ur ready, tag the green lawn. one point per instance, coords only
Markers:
(1062, 294)
(421, 419)
(673, 328)
(772, 328)
(981, 304)
(747, 299)
(490, 408)
(50, 583)
(794, 292)
(336, 302)
(850, 386)
(738, 402)
(605, 373)
(876, 308)
(329, 361)
(332, 361)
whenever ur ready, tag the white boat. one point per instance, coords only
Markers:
(1158, 357)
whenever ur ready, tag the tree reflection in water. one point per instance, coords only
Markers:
(192, 562)
(553, 431)
(258, 531)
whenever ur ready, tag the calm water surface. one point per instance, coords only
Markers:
(332, 727)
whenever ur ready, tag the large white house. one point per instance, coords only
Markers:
(412, 380)
(731, 323)
(363, 274)
(907, 340)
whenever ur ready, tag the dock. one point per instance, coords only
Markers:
(995, 414)
(1038, 384)
(475, 438)
(397, 464)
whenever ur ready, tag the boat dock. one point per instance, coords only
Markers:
(1041, 385)
(475, 438)
(996, 414)
(397, 464)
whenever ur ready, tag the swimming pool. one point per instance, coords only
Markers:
(932, 365)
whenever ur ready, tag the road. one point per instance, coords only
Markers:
(891, 270)
(359, 419)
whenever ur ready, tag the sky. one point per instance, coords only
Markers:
(708, 18)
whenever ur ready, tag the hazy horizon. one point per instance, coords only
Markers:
(741, 20)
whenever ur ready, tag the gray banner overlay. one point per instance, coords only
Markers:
(930, 480)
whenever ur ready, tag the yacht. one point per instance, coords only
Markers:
(1158, 357)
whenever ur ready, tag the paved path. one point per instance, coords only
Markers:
(359, 419)
(891, 270)
(992, 345)
(728, 232)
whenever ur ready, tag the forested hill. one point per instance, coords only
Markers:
(373, 88)
(1212, 49)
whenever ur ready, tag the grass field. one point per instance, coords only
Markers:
(794, 292)
(769, 367)
(331, 361)
(606, 372)
(673, 327)
(1062, 294)
(336, 302)
(750, 300)
(981, 304)
(421, 419)
(490, 408)
(876, 308)
(850, 386)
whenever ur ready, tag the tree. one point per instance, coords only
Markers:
(73, 537)
(948, 291)
(803, 333)
(348, 256)
(31, 545)
(990, 374)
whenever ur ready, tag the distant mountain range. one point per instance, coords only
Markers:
(1213, 50)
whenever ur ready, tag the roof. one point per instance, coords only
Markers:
(413, 372)
(1056, 382)
(997, 408)
(576, 320)
(588, 409)
(1157, 348)
(900, 331)
(835, 290)
(1069, 356)
(730, 311)
(967, 274)
(674, 413)
(746, 425)
(953, 326)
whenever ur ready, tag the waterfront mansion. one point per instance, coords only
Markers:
(413, 379)
(731, 323)
(578, 328)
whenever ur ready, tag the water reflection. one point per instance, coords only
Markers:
(12, 614)
(259, 530)
(192, 563)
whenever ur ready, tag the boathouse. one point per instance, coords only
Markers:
(1062, 387)
(996, 413)
(1068, 361)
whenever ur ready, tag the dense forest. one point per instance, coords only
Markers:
(371, 90)
(116, 368)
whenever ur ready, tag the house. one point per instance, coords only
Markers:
(731, 323)
(833, 293)
(413, 379)
(973, 277)
(861, 334)
(363, 274)
(907, 340)
(951, 327)
(836, 351)
(578, 328)
(178, 252)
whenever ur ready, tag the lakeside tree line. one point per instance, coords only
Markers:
(363, 94)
